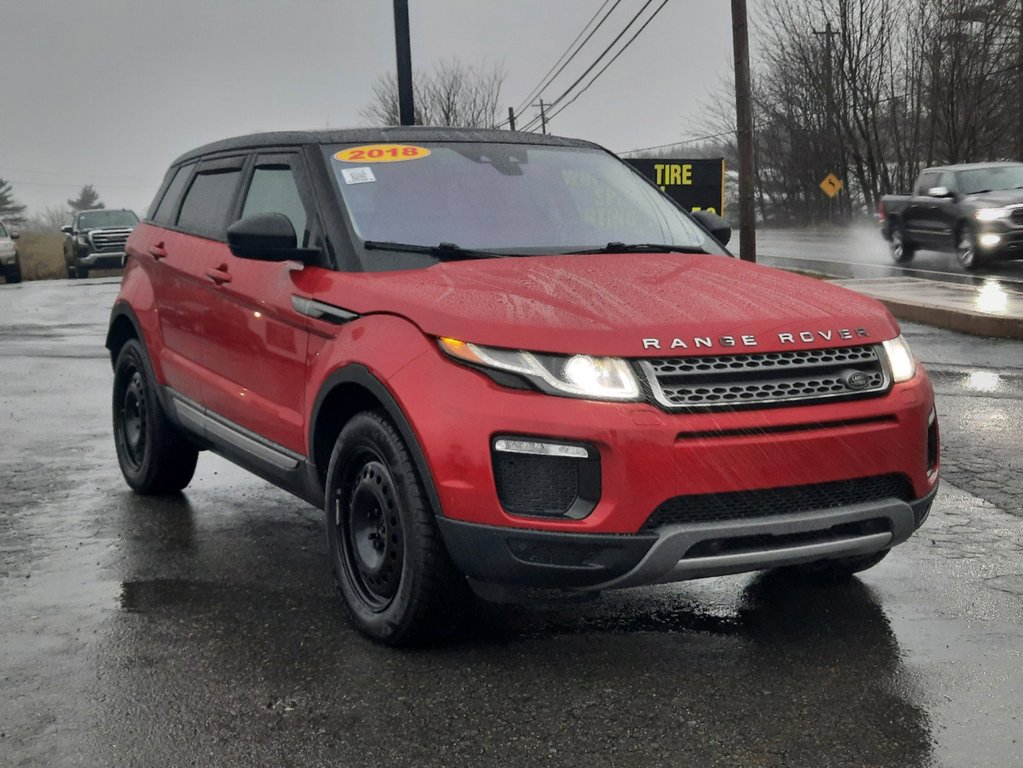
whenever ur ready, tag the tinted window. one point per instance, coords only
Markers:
(165, 211)
(274, 190)
(207, 203)
(948, 180)
(927, 181)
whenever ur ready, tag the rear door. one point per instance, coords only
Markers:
(921, 212)
(256, 341)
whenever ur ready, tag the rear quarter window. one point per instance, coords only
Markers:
(164, 213)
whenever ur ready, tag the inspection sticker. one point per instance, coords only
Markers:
(358, 175)
(382, 153)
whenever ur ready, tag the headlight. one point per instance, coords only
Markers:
(900, 359)
(597, 378)
(7, 249)
(992, 214)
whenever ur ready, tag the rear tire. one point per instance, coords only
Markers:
(839, 569)
(902, 252)
(390, 565)
(155, 457)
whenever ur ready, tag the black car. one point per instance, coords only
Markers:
(974, 210)
(95, 240)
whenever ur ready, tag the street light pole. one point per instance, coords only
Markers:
(744, 124)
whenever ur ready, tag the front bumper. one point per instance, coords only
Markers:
(530, 558)
(102, 260)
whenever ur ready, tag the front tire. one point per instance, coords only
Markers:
(390, 565)
(155, 457)
(14, 276)
(966, 248)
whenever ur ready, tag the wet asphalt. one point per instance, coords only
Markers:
(205, 629)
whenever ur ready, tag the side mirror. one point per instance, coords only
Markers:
(15, 235)
(943, 192)
(266, 237)
(718, 228)
(66, 229)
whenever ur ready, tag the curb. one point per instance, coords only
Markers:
(972, 323)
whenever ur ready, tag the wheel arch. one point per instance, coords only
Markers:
(345, 393)
(124, 326)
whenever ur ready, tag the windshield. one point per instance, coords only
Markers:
(3, 230)
(103, 219)
(505, 197)
(996, 177)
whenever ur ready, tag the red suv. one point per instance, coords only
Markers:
(502, 360)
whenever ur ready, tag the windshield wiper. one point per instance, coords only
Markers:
(442, 251)
(641, 248)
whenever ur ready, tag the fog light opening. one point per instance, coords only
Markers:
(989, 240)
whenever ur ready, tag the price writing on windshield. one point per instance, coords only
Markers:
(381, 153)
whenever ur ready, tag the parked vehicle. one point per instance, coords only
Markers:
(501, 360)
(95, 240)
(10, 259)
(973, 210)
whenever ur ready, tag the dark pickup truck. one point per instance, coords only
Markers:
(95, 240)
(973, 210)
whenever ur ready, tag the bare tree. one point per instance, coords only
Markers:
(452, 94)
(50, 219)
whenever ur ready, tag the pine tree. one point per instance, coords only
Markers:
(10, 210)
(88, 199)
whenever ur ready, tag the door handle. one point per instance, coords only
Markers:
(220, 275)
(157, 252)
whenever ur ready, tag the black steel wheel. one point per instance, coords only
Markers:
(389, 562)
(154, 456)
(900, 249)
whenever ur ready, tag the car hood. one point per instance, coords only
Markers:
(997, 197)
(629, 305)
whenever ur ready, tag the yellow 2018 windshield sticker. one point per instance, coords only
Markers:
(382, 153)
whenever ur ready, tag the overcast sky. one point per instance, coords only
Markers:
(108, 92)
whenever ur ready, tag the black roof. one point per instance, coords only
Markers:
(396, 134)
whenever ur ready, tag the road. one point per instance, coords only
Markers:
(860, 251)
(205, 630)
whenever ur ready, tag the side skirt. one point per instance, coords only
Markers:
(268, 460)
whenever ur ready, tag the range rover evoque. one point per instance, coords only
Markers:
(500, 361)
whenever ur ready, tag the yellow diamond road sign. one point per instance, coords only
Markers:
(831, 185)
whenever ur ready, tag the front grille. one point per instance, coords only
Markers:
(751, 505)
(727, 381)
(109, 239)
(536, 485)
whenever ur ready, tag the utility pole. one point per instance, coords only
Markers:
(511, 119)
(403, 47)
(543, 116)
(744, 123)
(829, 102)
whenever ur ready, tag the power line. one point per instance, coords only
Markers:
(596, 61)
(547, 79)
(612, 61)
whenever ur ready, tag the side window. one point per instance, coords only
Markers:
(207, 203)
(165, 210)
(927, 181)
(274, 189)
(948, 180)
